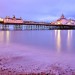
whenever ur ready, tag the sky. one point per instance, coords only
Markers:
(38, 10)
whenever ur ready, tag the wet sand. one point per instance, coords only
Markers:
(25, 60)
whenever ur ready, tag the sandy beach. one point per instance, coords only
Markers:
(25, 60)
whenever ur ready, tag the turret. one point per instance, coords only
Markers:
(62, 16)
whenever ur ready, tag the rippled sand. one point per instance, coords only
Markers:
(26, 60)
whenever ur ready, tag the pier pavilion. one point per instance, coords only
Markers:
(63, 21)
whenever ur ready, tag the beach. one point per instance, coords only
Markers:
(18, 59)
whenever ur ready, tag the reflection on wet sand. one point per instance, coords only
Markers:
(1, 36)
(4, 36)
(69, 38)
(55, 33)
(58, 39)
(7, 36)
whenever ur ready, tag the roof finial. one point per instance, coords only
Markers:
(13, 16)
(62, 16)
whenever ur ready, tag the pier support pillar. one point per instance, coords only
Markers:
(17, 27)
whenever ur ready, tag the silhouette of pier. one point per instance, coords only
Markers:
(20, 24)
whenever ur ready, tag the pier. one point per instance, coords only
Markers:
(20, 24)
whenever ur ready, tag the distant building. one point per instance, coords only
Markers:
(12, 20)
(63, 21)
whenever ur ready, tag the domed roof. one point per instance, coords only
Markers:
(64, 21)
(62, 17)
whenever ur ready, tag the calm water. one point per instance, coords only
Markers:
(55, 40)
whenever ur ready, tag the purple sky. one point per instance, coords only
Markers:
(38, 10)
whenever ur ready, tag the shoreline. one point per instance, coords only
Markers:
(25, 60)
